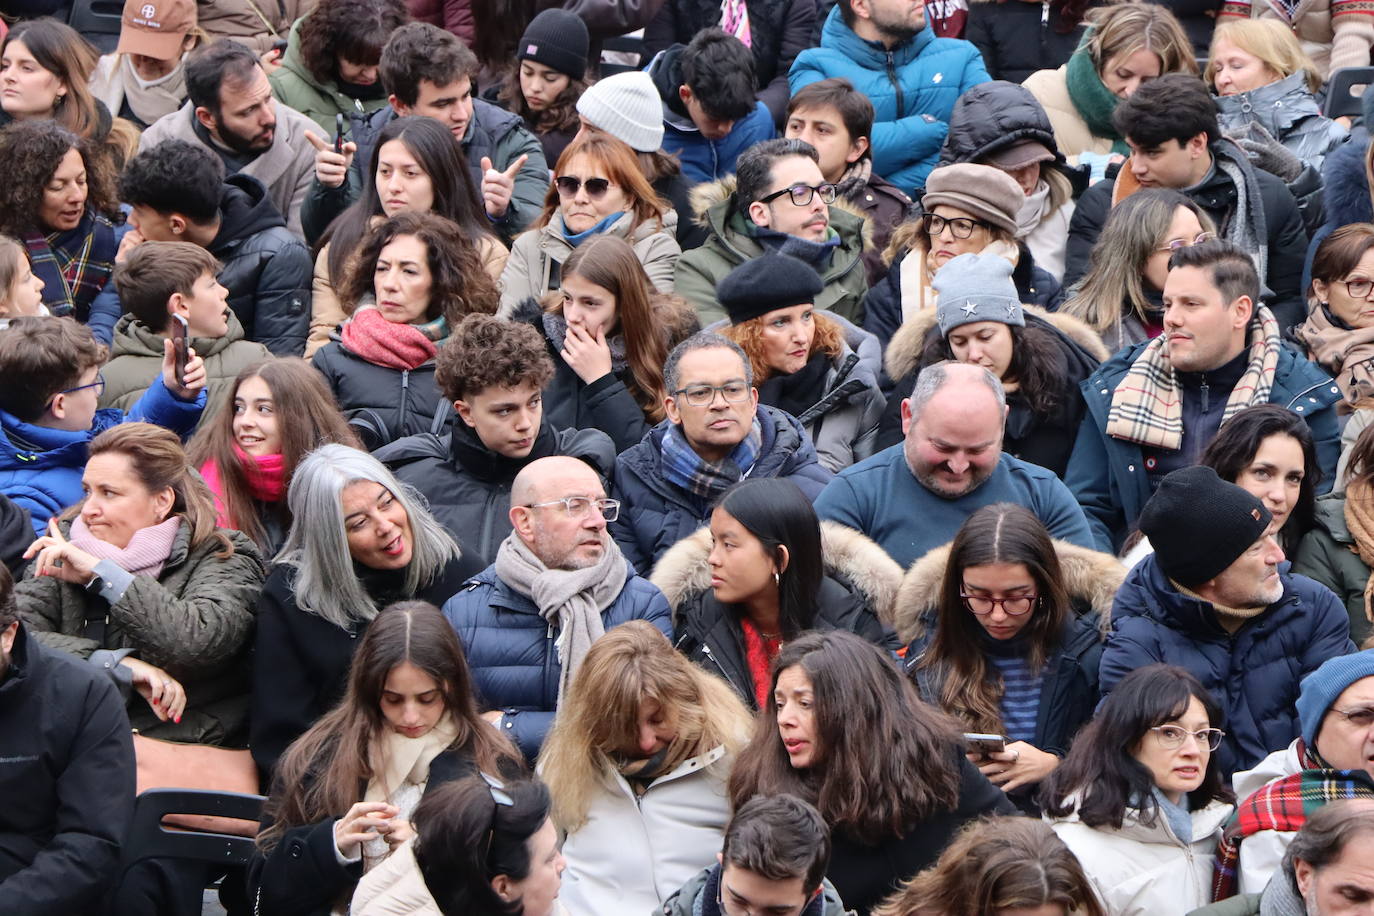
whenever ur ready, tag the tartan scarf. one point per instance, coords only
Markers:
(1283, 805)
(74, 265)
(708, 479)
(1345, 352)
(1147, 406)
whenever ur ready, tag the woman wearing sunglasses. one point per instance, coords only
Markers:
(1339, 331)
(344, 795)
(1121, 297)
(967, 209)
(1140, 799)
(1008, 630)
(608, 332)
(598, 189)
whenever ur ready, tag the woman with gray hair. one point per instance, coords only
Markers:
(360, 540)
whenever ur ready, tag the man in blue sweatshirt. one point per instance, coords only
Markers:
(914, 496)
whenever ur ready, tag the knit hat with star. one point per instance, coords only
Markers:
(977, 287)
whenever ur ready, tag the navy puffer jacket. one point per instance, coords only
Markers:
(510, 647)
(1252, 673)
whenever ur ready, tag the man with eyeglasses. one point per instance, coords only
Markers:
(1154, 406)
(716, 434)
(1332, 759)
(558, 583)
(781, 203)
(1214, 600)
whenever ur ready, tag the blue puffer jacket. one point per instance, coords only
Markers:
(41, 467)
(655, 514)
(510, 647)
(1252, 673)
(913, 88)
(1108, 477)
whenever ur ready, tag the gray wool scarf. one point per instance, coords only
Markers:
(570, 599)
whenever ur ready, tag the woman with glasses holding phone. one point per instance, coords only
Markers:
(608, 332)
(968, 209)
(1339, 332)
(344, 796)
(1121, 297)
(1008, 631)
(1140, 799)
(598, 189)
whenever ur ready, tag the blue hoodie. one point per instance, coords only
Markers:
(913, 88)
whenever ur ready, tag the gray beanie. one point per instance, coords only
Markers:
(977, 287)
(626, 106)
(983, 191)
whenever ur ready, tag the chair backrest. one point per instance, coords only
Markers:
(1342, 99)
(98, 21)
(150, 838)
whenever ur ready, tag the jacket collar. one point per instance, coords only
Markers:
(871, 54)
(1195, 615)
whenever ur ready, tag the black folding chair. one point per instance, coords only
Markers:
(98, 21)
(150, 838)
(1342, 99)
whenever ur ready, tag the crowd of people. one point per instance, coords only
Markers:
(813, 457)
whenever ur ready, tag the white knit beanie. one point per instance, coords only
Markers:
(626, 106)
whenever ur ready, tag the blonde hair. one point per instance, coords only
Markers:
(1125, 28)
(632, 663)
(1270, 41)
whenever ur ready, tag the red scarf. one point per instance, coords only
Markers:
(266, 478)
(759, 652)
(387, 343)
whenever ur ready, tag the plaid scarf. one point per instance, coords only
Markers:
(1283, 805)
(707, 479)
(74, 265)
(1147, 406)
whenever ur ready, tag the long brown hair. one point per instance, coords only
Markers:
(631, 664)
(643, 316)
(307, 417)
(617, 161)
(320, 775)
(63, 52)
(994, 865)
(561, 114)
(886, 761)
(829, 339)
(971, 688)
(159, 462)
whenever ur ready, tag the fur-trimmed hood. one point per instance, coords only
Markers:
(904, 351)
(846, 554)
(1345, 174)
(1092, 577)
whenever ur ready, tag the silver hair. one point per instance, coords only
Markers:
(934, 377)
(317, 545)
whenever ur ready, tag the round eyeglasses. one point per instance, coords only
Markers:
(1015, 606)
(961, 227)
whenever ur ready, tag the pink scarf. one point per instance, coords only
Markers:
(147, 551)
(387, 343)
(266, 476)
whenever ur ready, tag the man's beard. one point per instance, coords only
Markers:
(239, 144)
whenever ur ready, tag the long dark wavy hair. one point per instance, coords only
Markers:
(455, 196)
(1240, 438)
(775, 511)
(970, 687)
(885, 761)
(1100, 777)
(561, 114)
(321, 775)
(31, 152)
(1037, 363)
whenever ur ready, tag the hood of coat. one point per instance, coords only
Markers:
(666, 72)
(845, 553)
(904, 350)
(134, 338)
(1207, 822)
(993, 116)
(1278, 106)
(714, 209)
(244, 209)
(1091, 577)
(1345, 174)
(1330, 515)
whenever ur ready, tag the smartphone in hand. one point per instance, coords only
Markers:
(181, 333)
(338, 132)
(983, 745)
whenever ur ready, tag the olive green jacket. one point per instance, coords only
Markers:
(293, 84)
(1327, 554)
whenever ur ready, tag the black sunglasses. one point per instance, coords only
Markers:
(596, 187)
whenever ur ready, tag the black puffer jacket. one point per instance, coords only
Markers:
(382, 404)
(779, 31)
(267, 269)
(1019, 37)
(993, 116)
(468, 485)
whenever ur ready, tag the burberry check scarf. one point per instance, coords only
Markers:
(1147, 406)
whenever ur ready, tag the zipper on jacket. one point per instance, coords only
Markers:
(405, 404)
(1205, 392)
(896, 84)
(706, 650)
(1044, 13)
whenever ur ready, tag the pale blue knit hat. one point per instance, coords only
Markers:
(1320, 689)
(977, 287)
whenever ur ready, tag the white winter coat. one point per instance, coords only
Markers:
(631, 855)
(396, 888)
(1261, 853)
(1143, 870)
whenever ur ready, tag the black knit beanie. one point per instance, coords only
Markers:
(557, 39)
(1198, 524)
(768, 282)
